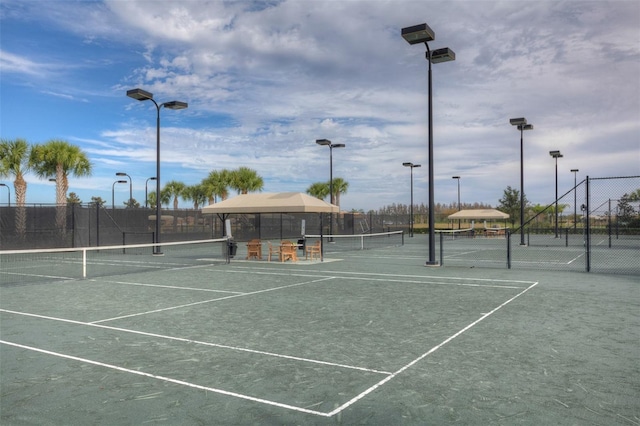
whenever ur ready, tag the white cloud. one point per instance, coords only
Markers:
(265, 79)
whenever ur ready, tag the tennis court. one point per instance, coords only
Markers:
(365, 337)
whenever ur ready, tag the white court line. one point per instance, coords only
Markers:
(387, 280)
(167, 286)
(575, 258)
(209, 301)
(337, 274)
(197, 342)
(168, 379)
(286, 406)
(424, 355)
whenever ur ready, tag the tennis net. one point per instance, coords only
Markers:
(33, 266)
(453, 234)
(358, 242)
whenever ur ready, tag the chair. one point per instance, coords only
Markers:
(273, 250)
(312, 249)
(254, 249)
(288, 251)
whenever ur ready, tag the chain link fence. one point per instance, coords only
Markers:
(593, 227)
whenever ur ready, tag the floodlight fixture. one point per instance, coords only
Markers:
(327, 142)
(139, 94)
(175, 105)
(411, 165)
(422, 33)
(442, 55)
(418, 34)
(113, 192)
(556, 155)
(521, 125)
(130, 184)
(146, 191)
(143, 95)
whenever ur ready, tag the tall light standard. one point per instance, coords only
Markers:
(412, 166)
(521, 124)
(8, 194)
(423, 34)
(113, 202)
(556, 155)
(143, 95)
(458, 179)
(328, 143)
(130, 186)
(146, 191)
(575, 199)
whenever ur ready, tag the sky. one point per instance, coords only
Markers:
(265, 79)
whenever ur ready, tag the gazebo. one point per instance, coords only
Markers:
(480, 214)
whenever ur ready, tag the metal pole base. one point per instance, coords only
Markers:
(434, 263)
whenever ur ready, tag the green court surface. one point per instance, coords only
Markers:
(365, 337)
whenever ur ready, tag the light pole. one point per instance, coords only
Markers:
(521, 124)
(328, 143)
(130, 187)
(556, 155)
(423, 34)
(113, 192)
(146, 192)
(458, 179)
(8, 194)
(412, 166)
(143, 95)
(575, 199)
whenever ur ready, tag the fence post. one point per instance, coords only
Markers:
(508, 249)
(587, 229)
(441, 249)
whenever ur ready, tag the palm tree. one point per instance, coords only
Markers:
(340, 186)
(14, 160)
(319, 190)
(217, 184)
(57, 158)
(245, 180)
(195, 193)
(175, 189)
(165, 198)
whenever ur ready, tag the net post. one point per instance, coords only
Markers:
(441, 249)
(84, 263)
(566, 233)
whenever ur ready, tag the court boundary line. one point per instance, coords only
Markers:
(429, 352)
(407, 281)
(168, 379)
(197, 342)
(338, 409)
(402, 275)
(170, 308)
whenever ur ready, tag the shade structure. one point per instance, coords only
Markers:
(483, 214)
(278, 202)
